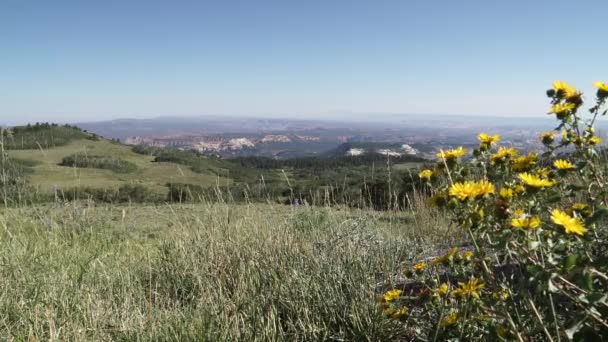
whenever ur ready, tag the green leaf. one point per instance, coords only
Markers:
(569, 262)
(587, 281)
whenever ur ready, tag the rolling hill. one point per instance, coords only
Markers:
(44, 150)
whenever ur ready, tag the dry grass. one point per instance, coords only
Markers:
(201, 272)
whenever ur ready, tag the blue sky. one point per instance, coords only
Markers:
(91, 60)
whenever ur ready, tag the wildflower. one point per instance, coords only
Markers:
(531, 222)
(535, 181)
(564, 165)
(467, 255)
(445, 257)
(547, 137)
(506, 193)
(472, 288)
(425, 175)
(488, 140)
(451, 154)
(581, 209)
(441, 291)
(543, 172)
(602, 89)
(502, 332)
(439, 199)
(594, 140)
(561, 110)
(449, 320)
(392, 295)
(571, 225)
(501, 294)
(392, 313)
(503, 153)
(420, 266)
(523, 163)
(471, 189)
(518, 189)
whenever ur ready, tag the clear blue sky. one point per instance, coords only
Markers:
(90, 60)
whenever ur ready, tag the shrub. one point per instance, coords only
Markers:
(124, 194)
(99, 162)
(538, 266)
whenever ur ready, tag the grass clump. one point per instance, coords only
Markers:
(197, 272)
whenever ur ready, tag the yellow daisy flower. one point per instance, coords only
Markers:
(420, 266)
(547, 137)
(601, 86)
(531, 222)
(504, 153)
(561, 109)
(594, 140)
(472, 288)
(506, 193)
(449, 320)
(396, 313)
(561, 164)
(471, 189)
(571, 225)
(442, 290)
(523, 163)
(451, 154)
(391, 295)
(488, 139)
(535, 181)
(445, 257)
(425, 175)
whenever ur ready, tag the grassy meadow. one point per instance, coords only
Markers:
(47, 173)
(204, 271)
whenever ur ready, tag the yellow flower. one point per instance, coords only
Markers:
(501, 331)
(488, 139)
(535, 181)
(561, 109)
(420, 266)
(531, 222)
(472, 288)
(467, 255)
(445, 257)
(392, 295)
(442, 290)
(501, 294)
(523, 163)
(601, 86)
(547, 137)
(451, 154)
(594, 140)
(392, 313)
(572, 225)
(503, 153)
(565, 90)
(449, 320)
(518, 189)
(506, 193)
(543, 172)
(471, 189)
(425, 175)
(581, 209)
(561, 164)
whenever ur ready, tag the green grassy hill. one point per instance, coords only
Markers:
(44, 159)
(82, 165)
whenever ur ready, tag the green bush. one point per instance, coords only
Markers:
(84, 160)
